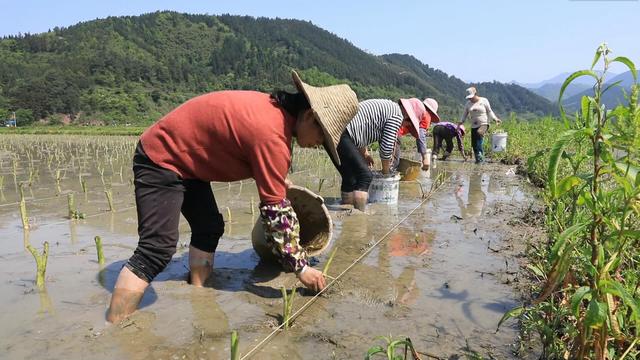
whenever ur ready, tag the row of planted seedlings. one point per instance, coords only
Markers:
(33, 161)
(53, 169)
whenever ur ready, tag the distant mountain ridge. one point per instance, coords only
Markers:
(135, 68)
(550, 88)
(612, 98)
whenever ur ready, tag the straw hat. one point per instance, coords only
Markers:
(432, 105)
(334, 106)
(416, 111)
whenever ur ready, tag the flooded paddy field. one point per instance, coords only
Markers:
(443, 275)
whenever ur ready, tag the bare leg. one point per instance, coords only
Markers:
(127, 294)
(347, 198)
(201, 266)
(360, 199)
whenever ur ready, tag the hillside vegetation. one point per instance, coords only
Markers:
(134, 69)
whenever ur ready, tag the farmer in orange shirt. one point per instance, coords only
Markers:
(225, 136)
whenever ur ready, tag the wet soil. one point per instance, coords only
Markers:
(443, 277)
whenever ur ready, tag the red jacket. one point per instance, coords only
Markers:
(226, 136)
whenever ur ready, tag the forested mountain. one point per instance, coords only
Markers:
(134, 69)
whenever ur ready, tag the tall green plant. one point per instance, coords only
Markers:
(589, 305)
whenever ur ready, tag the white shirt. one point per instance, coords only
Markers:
(480, 112)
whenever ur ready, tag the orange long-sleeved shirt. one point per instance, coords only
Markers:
(226, 136)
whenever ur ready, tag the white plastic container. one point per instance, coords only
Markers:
(384, 189)
(499, 142)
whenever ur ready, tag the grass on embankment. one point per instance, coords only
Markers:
(74, 130)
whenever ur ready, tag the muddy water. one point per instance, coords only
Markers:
(431, 278)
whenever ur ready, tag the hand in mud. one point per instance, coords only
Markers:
(312, 279)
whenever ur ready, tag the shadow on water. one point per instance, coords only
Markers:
(234, 272)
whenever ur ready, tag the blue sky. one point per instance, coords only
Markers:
(502, 40)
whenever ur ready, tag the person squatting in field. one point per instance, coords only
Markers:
(444, 132)
(225, 136)
(377, 120)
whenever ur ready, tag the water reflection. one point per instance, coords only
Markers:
(476, 198)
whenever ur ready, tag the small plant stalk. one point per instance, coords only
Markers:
(325, 269)
(23, 214)
(110, 200)
(235, 353)
(71, 205)
(228, 215)
(41, 263)
(287, 306)
(98, 241)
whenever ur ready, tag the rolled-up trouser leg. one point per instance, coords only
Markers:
(159, 195)
(353, 167)
(201, 212)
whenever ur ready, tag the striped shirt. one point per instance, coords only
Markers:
(377, 120)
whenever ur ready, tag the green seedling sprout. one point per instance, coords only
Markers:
(1, 182)
(98, 241)
(320, 185)
(253, 207)
(229, 215)
(71, 204)
(325, 269)
(41, 263)
(110, 200)
(235, 353)
(287, 306)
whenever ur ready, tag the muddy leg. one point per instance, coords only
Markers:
(360, 199)
(347, 198)
(200, 265)
(127, 294)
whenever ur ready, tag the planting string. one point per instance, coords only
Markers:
(354, 263)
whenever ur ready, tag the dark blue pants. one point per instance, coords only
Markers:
(477, 142)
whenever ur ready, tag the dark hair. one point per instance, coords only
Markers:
(294, 104)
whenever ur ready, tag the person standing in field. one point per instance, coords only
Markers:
(377, 120)
(421, 140)
(225, 136)
(445, 132)
(480, 111)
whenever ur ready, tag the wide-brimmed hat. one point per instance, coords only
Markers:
(333, 106)
(471, 92)
(432, 106)
(416, 111)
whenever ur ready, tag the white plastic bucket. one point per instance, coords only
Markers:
(384, 189)
(499, 142)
